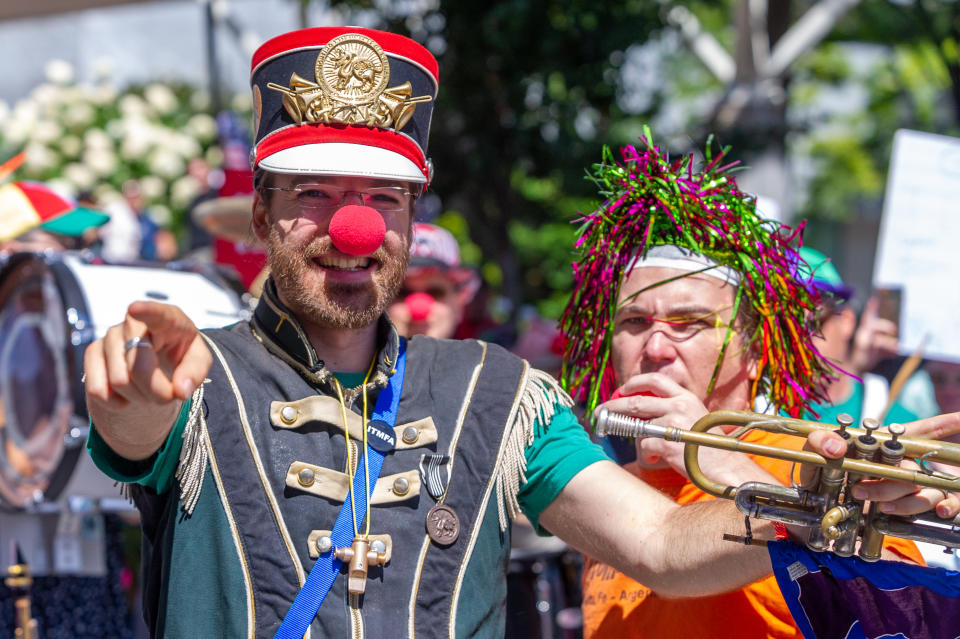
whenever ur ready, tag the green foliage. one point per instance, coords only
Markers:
(912, 83)
(528, 94)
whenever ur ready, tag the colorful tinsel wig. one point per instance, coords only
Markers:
(650, 200)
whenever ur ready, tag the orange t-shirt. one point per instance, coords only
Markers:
(615, 605)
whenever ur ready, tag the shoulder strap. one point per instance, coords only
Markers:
(327, 566)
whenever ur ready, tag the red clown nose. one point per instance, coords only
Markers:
(419, 305)
(357, 230)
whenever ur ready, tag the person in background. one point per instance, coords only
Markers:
(197, 237)
(33, 217)
(157, 244)
(436, 288)
(855, 351)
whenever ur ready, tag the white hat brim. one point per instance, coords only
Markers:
(339, 158)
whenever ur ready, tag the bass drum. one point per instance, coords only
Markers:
(51, 308)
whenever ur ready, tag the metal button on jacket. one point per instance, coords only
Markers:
(288, 414)
(410, 434)
(305, 477)
(401, 486)
(324, 544)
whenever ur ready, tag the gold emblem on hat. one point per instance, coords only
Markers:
(352, 74)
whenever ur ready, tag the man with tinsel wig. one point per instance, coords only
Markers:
(686, 301)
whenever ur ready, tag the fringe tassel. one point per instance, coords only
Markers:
(193, 454)
(538, 401)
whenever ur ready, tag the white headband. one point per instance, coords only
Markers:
(684, 259)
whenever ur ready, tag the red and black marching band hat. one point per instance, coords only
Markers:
(343, 101)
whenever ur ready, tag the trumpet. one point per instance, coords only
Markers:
(826, 505)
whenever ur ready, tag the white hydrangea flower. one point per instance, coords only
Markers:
(115, 129)
(101, 160)
(40, 158)
(46, 132)
(71, 146)
(97, 139)
(153, 187)
(183, 190)
(47, 96)
(166, 163)
(79, 115)
(80, 176)
(5, 113)
(132, 105)
(161, 214)
(63, 186)
(242, 102)
(137, 140)
(22, 120)
(202, 127)
(106, 195)
(58, 71)
(185, 145)
(200, 101)
(103, 94)
(161, 98)
(214, 156)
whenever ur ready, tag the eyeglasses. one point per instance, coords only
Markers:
(328, 197)
(676, 329)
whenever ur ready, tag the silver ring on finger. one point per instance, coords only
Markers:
(136, 342)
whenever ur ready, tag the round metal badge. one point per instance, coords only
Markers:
(443, 525)
(380, 436)
(353, 69)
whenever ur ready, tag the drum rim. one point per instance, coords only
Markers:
(71, 451)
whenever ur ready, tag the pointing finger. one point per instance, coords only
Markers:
(192, 369)
(169, 327)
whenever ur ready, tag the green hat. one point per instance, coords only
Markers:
(819, 269)
(76, 221)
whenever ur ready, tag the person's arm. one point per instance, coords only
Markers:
(135, 394)
(678, 551)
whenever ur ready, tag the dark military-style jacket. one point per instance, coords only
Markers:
(263, 475)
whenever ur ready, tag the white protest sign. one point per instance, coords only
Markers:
(919, 244)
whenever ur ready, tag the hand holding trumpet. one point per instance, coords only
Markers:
(830, 505)
(907, 499)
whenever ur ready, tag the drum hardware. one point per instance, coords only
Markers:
(837, 520)
(19, 582)
(51, 307)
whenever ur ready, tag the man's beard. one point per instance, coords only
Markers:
(333, 304)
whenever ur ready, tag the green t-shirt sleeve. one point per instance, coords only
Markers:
(155, 472)
(560, 450)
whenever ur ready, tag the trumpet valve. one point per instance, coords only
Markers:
(892, 452)
(845, 420)
(866, 446)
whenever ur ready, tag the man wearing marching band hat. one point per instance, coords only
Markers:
(311, 460)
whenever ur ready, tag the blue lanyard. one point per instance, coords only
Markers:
(327, 567)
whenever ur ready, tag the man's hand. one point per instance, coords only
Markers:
(138, 375)
(909, 499)
(656, 397)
